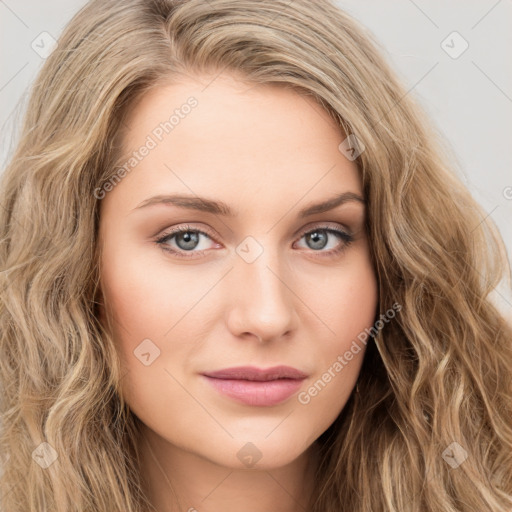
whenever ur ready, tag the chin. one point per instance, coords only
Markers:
(257, 452)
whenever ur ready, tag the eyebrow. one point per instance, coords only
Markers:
(204, 204)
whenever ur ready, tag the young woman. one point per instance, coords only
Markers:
(237, 273)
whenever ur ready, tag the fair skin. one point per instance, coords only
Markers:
(267, 153)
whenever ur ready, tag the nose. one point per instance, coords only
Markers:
(262, 302)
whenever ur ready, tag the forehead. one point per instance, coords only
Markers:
(237, 140)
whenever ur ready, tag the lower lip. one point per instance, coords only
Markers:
(257, 393)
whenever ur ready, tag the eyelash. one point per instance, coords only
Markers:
(344, 236)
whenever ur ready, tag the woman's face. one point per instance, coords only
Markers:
(262, 285)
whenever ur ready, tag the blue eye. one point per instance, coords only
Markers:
(187, 239)
(319, 238)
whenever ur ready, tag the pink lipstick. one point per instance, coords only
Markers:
(257, 387)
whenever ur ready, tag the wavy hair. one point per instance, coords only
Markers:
(438, 374)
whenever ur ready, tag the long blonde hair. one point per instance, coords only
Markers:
(437, 378)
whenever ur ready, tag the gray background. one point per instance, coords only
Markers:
(469, 98)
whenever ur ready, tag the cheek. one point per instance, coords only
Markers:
(144, 296)
(156, 311)
(345, 299)
(144, 307)
(348, 308)
(352, 303)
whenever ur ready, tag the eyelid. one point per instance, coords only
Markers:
(319, 224)
(299, 233)
(344, 235)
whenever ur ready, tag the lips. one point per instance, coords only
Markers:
(257, 387)
(256, 374)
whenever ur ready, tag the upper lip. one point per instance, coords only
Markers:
(257, 374)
